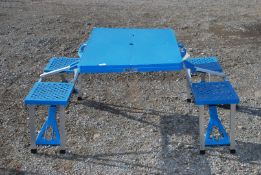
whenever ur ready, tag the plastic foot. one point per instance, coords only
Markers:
(224, 106)
(33, 151)
(202, 152)
(189, 100)
(62, 151)
(233, 151)
(227, 106)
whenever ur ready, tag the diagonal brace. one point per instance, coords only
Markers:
(49, 123)
(214, 122)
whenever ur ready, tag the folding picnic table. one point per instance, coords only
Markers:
(118, 50)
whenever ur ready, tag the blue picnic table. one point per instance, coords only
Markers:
(118, 50)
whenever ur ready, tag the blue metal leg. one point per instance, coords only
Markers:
(215, 123)
(50, 123)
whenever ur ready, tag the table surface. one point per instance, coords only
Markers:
(130, 50)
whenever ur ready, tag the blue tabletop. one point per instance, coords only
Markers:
(130, 49)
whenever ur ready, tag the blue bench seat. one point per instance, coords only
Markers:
(214, 93)
(60, 62)
(49, 93)
(209, 63)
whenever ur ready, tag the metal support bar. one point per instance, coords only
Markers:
(209, 77)
(232, 126)
(203, 77)
(75, 76)
(201, 128)
(188, 85)
(55, 71)
(79, 95)
(221, 74)
(32, 125)
(62, 127)
(70, 67)
(186, 56)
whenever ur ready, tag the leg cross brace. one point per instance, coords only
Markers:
(215, 124)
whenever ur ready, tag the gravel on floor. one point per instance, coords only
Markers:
(136, 123)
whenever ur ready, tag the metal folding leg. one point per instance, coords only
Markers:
(232, 128)
(188, 77)
(32, 128)
(203, 77)
(62, 129)
(79, 89)
(201, 129)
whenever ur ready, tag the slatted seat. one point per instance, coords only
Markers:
(214, 93)
(60, 62)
